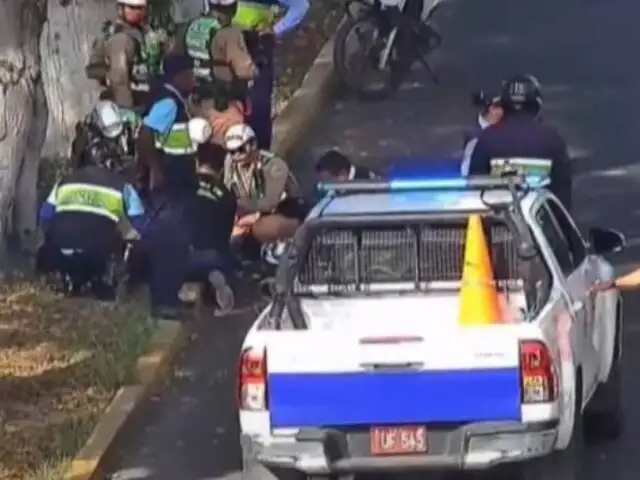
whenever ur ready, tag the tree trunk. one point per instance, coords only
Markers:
(65, 44)
(21, 101)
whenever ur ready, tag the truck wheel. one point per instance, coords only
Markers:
(606, 420)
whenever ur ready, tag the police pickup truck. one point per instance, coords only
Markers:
(363, 364)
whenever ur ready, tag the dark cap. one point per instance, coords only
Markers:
(175, 64)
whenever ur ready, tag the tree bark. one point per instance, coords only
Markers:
(21, 101)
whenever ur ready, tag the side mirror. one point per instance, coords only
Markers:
(605, 241)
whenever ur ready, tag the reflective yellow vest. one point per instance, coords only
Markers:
(257, 14)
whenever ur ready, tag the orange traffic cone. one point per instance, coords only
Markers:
(479, 300)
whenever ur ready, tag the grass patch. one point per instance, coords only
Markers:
(61, 362)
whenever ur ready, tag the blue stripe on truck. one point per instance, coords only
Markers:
(385, 398)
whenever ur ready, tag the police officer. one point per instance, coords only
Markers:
(521, 141)
(258, 19)
(210, 259)
(167, 144)
(85, 219)
(126, 56)
(269, 198)
(217, 49)
(490, 113)
(166, 151)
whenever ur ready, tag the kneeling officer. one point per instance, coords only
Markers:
(87, 218)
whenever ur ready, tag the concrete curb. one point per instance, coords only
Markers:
(151, 370)
(290, 126)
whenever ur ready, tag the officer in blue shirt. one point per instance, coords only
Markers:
(86, 219)
(167, 150)
(258, 18)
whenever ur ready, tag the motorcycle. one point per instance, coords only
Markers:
(393, 34)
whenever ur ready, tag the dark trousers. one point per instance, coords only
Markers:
(260, 94)
(165, 244)
(202, 262)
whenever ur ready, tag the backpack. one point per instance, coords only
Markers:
(97, 66)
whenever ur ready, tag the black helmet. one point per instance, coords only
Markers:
(522, 92)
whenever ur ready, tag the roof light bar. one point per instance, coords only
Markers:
(440, 184)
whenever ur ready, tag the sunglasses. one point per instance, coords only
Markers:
(241, 150)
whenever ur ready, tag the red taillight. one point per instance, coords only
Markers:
(252, 379)
(537, 372)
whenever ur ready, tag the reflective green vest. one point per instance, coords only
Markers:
(87, 198)
(177, 142)
(256, 15)
(197, 41)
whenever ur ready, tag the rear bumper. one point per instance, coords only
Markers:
(469, 447)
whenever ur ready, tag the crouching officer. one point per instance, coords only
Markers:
(86, 220)
(522, 142)
(211, 217)
(258, 19)
(270, 203)
(126, 56)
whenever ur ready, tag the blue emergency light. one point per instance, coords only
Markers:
(433, 184)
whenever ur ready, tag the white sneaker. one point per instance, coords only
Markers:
(224, 294)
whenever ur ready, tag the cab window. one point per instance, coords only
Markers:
(576, 244)
(555, 238)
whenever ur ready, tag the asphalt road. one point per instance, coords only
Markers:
(584, 54)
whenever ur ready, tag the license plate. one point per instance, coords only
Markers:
(398, 440)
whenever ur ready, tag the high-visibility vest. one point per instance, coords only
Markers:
(89, 190)
(198, 37)
(256, 14)
(177, 143)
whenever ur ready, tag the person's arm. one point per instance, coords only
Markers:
(134, 208)
(48, 207)
(236, 52)
(120, 50)
(466, 157)
(294, 14)
(276, 173)
(158, 122)
(480, 163)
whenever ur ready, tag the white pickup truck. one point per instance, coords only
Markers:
(360, 366)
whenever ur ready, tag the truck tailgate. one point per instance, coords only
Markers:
(344, 378)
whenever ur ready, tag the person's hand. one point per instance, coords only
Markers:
(247, 220)
(603, 286)
(132, 235)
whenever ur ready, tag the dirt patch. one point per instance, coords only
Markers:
(61, 362)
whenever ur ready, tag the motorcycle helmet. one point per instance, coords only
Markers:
(238, 136)
(200, 130)
(522, 92)
(107, 118)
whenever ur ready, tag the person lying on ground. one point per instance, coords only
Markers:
(86, 220)
(270, 204)
(211, 215)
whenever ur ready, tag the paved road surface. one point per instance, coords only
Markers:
(584, 53)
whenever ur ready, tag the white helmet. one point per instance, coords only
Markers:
(107, 117)
(238, 135)
(200, 130)
(132, 3)
(218, 3)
